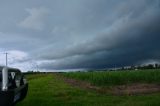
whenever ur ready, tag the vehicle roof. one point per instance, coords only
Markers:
(10, 69)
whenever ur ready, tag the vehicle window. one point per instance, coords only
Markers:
(0, 76)
(17, 79)
(11, 80)
(0, 79)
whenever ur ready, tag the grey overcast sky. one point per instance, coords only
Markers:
(79, 34)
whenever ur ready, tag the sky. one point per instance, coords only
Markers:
(58, 35)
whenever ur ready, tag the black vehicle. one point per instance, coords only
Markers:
(13, 86)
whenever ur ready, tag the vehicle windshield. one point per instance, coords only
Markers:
(14, 78)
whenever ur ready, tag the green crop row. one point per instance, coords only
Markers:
(117, 77)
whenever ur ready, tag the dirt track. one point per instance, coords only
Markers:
(133, 89)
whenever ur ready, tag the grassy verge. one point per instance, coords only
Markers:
(47, 90)
(117, 77)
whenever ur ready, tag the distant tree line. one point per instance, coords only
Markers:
(149, 66)
(32, 72)
(140, 67)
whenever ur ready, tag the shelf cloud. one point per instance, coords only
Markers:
(92, 34)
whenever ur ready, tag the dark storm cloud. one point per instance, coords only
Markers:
(131, 39)
(82, 34)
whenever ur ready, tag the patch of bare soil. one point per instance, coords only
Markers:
(132, 89)
(135, 89)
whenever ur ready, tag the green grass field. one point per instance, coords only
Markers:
(117, 77)
(48, 90)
